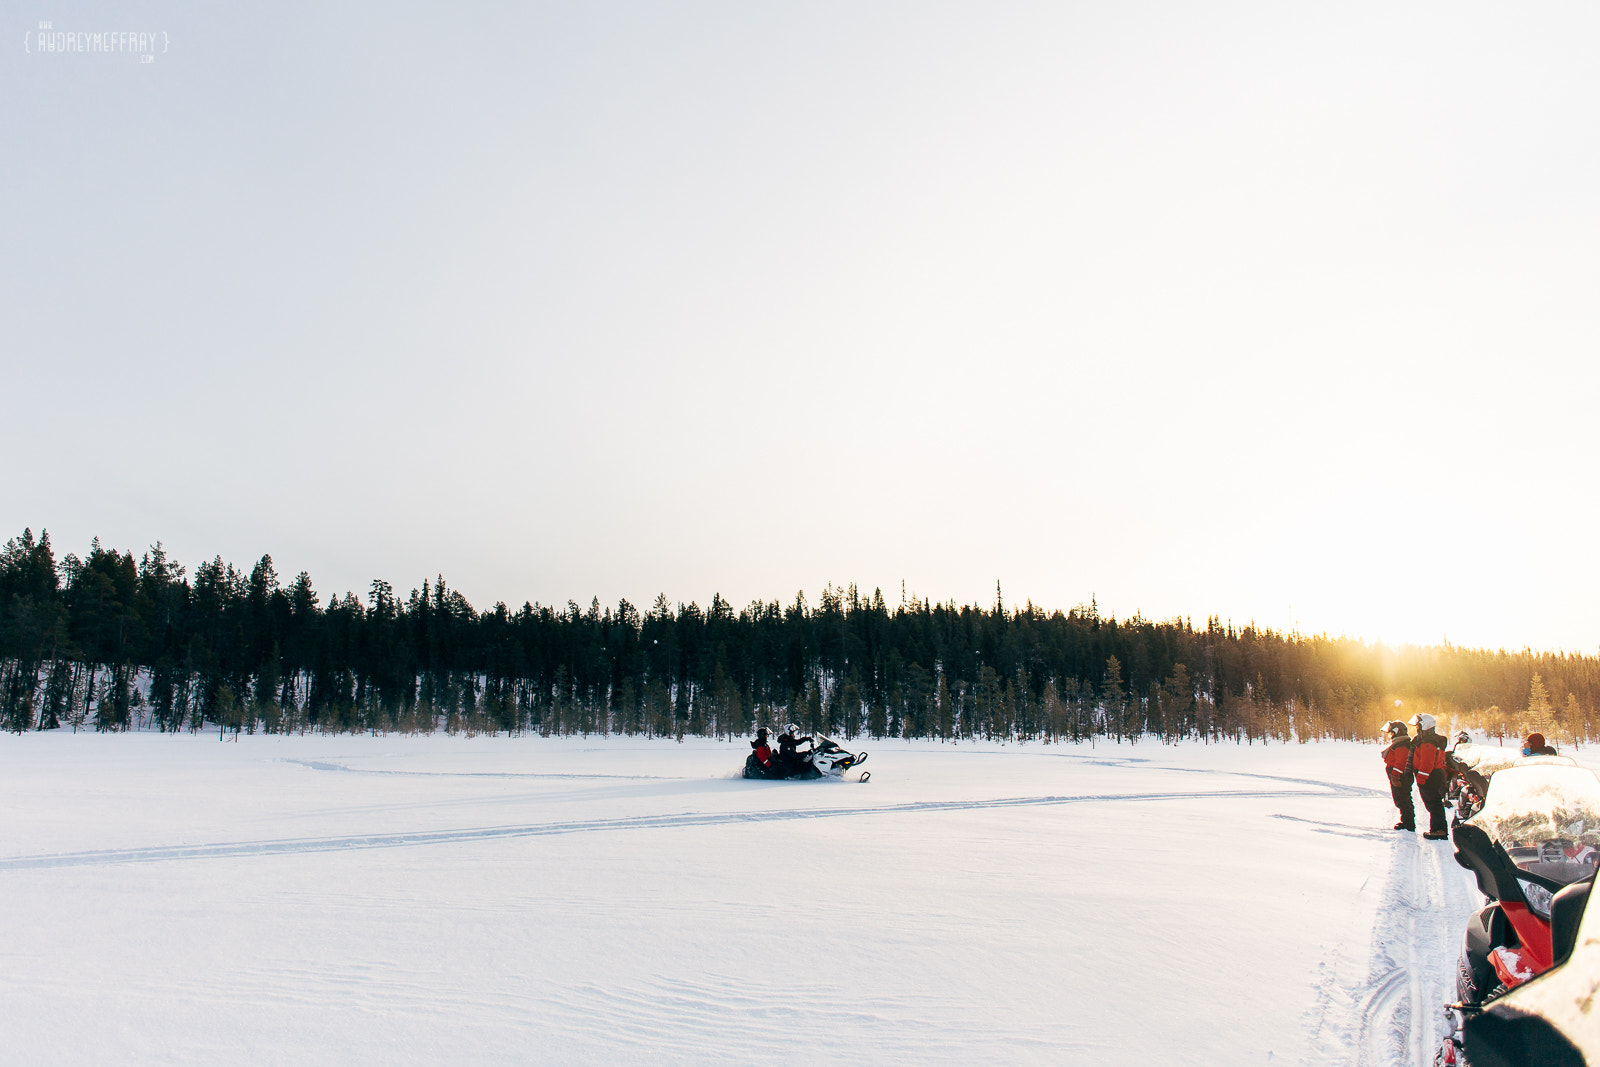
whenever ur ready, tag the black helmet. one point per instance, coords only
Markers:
(1393, 727)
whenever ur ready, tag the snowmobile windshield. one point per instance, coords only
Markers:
(1546, 761)
(1487, 759)
(1547, 818)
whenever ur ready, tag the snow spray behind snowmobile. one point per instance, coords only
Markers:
(1534, 848)
(822, 759)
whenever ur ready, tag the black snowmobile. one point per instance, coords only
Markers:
(1534, 847)
(824, 759)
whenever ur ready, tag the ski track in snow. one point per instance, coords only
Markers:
(157, 854)
(1091, 761)
(1386, 1009)
(321, 765)
(1338, 829)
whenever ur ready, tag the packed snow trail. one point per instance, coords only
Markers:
(648, 822)
(324, 765)
(1387, 1010)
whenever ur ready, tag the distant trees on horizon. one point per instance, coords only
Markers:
(112, 642)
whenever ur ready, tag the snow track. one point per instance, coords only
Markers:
(1388, 1010)
(651, 822)
(323, 765)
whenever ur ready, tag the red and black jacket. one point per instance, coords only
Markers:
(1397, 758)
(1427, 755)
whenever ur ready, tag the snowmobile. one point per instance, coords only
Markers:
(1548, 1021)
(1467, 784)
(1471, 767)
(1534, 848)
(822, 759)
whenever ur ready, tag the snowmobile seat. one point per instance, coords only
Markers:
(1476, 853)
(1566, 909)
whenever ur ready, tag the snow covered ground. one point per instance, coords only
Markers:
(294, 900)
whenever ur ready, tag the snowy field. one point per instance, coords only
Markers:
(384, 900)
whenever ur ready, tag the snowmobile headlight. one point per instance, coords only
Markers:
(1537, 896)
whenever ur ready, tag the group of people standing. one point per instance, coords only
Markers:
(1420, 756)
(1416, 751)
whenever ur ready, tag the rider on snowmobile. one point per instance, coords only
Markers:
(789, 759)
(1535, 745)
(763, 751)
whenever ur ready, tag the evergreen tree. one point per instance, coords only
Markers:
(227, 710)
(946, 708)
(1178, 709)
(1113, 698)
(1537, 718)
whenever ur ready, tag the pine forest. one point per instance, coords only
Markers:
(114, 642)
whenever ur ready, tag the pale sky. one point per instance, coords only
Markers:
(1282, 312)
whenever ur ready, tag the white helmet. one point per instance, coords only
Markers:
(1423, 721)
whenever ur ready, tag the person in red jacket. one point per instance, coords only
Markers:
(1427, 761)
(763, 751)
(1397, 762)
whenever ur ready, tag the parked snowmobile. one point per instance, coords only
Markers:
(1487, 759)
(1535, 848)
(822, 759)
(1468, 784)
(1472, 766)
(1549, 1020)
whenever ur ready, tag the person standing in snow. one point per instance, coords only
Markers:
(1427, 760)
(1397, 762)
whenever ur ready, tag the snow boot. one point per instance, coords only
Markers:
(1437, 835)
(1403, 826)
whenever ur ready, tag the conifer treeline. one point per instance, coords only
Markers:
(115, 642)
